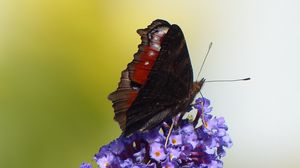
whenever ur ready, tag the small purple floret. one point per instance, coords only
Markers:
(188, 145)
(175, 139)
(85, 165)
(157, 151)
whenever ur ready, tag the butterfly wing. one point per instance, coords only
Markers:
(161, 92)
(136, 73)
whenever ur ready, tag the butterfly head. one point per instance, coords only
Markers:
(197, 87)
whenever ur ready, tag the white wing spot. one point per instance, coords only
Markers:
(151, 53)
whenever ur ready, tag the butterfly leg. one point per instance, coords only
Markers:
(169, 133)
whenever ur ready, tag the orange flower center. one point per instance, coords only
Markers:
(106, 164)
(174, 141)
(171, 156)
(157, 153)
(205, 124)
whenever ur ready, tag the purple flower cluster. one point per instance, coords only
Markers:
(187, 144)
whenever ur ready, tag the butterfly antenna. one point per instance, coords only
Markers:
(227, 80)
(210, 45)
(169, 133)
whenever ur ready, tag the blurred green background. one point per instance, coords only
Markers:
(59, 59)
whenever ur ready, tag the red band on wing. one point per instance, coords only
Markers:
(143, 68)
(148, 57)
(132, 97)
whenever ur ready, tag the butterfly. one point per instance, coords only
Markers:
(158, 83)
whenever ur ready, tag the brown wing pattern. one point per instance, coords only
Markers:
(120, 99)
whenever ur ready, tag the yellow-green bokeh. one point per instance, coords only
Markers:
(59, 59)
